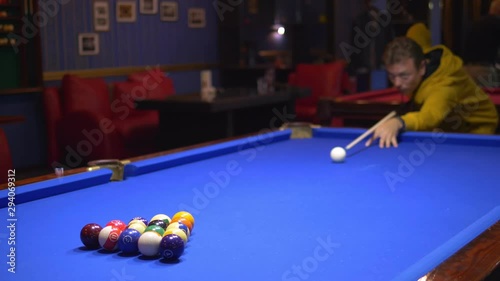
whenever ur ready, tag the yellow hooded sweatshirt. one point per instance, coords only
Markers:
(420, 34)
(449, 99)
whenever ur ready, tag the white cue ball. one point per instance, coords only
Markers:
(149, 243)
(338, 154)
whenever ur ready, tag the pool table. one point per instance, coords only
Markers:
(362, 108)
(274, 206)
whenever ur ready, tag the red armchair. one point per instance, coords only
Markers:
(324, 80)
(84, 129)
(84, 122)
(72, 123)
(53, 112)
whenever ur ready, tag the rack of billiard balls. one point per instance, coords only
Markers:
(160, 236)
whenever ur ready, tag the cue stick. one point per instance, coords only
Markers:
(360, 138)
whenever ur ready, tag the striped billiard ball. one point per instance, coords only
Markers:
(108, 237)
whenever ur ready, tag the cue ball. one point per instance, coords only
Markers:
(338, 154)
(149, 243)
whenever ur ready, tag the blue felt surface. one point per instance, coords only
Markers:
(278, 211)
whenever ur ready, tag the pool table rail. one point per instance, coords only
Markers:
(474, 262)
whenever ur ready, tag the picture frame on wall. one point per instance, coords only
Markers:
(101, 16)
(196, 18)
(126, 11)
(148, 7)
(88, 44)
(253, 7)
(169, 11)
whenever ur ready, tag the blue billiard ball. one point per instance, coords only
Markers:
(171, 247)
(128, 241)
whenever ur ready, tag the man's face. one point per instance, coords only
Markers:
(405, 76)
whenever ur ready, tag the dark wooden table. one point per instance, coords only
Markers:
(186, 119)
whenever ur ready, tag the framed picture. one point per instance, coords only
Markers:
(253, 7)
(148, 6)
(196, 18)
(169, 11)
(126, 11)
(101, 16)
(88, 44)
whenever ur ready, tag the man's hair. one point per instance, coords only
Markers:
(403, 48)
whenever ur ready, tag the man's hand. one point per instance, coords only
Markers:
(387, 132)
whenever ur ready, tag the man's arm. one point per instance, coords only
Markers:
(432, 114)
(434, 110)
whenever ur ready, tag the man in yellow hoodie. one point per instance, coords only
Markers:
(443, 95)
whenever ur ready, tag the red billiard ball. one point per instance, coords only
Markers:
(89, 235)
(171, 247)
(117, 224)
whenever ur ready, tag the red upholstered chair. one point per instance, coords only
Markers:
(65, 128)
(5, 157)
(324, 80)
(84, 122)
(159, 85)
(140, 128)
(53, 113)
(86, 130)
